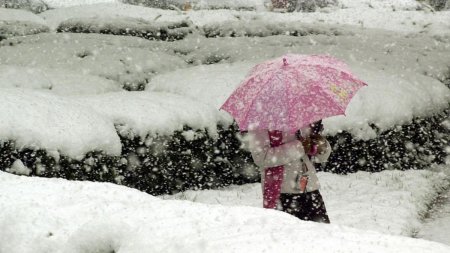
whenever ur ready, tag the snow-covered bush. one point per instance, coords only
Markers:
(188, 159)
(162, 4)
(156, 142)
(240, 28)
(200, 4)
(129, 61)
(437, 4)
(191, 159)
(12, 28)
(20, 23)
(311, 5)
(126, 27)
(61, 82)
(36, 6)
(411, 146)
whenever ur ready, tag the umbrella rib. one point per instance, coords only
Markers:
(334, 101)
(288, 115)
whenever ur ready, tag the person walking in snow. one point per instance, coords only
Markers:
(278, 97)
(289, 180)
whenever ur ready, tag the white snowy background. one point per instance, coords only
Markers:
(63, 93)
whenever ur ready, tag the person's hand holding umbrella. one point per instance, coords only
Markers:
(315, 143)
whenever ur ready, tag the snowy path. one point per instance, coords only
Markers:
(437, 226)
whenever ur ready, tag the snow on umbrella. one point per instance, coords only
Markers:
(291, 92)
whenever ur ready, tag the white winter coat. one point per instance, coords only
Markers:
(290, 154)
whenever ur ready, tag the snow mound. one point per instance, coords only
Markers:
(40, 120)
(19, 168)
(92, 237)
(54, 215)
(61, 82)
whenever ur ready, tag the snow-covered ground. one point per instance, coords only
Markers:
(361, 200)
(54, 215)
(437, 226)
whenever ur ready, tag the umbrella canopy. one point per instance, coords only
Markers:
(291, 92)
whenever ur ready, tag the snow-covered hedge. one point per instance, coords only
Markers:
(156, 142)
(115, 13)
(11, 28)
(259, 27)
(439, 4)
(410, 146)
(42, 5)
(187, 159)
(129, 61)
(115, 17)
(191, 159)
(163, 143)
(35, 6)
(61, 82)
(20, 23)
(126, 27)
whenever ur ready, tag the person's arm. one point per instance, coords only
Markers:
(323, 152)
(266, 156)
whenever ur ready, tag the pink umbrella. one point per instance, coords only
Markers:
(291, 92)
